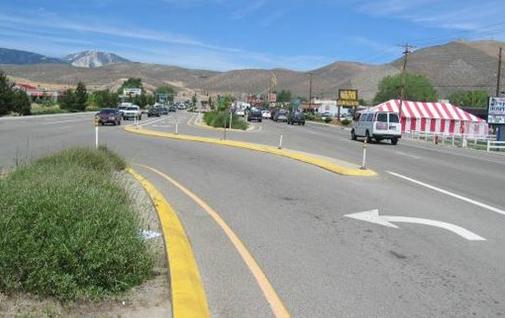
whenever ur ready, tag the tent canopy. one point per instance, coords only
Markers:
(419, 110)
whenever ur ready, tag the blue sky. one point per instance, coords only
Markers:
(234, 34)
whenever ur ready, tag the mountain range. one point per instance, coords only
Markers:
(452, 66)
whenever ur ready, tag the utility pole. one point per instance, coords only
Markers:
(498, 79)
(404, 67)
(310, 92)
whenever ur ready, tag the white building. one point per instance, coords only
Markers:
(329, 106)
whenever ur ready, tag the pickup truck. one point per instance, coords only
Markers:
(132, 112)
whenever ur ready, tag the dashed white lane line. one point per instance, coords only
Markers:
(454, 195)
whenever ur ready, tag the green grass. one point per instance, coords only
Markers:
(46, 110)
(67, 228)
(218, 119)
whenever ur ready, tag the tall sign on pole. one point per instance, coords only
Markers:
(347, 97)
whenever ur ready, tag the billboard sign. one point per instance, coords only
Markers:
(496, 111)
(132, 91)
(272, 98)
(347, 97)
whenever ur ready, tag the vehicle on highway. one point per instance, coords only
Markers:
(154, 112)
(172, 109)
(255, 114)
(377, 126)
(266, 114)
(296, 118)
(281, 115)
(132, 112)
(163, 110)
(108, 116)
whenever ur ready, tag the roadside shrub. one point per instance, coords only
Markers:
(346, 122)
(67, 229)
(328, 120)
(220, 119)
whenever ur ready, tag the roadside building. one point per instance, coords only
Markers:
(442, 118)
(37, 94)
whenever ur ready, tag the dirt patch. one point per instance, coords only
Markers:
(151, 299)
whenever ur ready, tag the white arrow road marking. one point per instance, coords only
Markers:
(454, 195)
(373, 216)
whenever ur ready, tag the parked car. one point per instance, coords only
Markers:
(172, 109)
(154, 111)
(108, 116)
(132, 112)
(326, 115)
(266, 114)
(281, 115)
(296, 118)
(255, 114)
(240, 112)
(377, 126)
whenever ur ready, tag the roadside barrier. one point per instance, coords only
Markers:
(456, 140)
(498, 145)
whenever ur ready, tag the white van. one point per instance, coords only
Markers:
(377, 126)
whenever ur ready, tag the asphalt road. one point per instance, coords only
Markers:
(291, 217)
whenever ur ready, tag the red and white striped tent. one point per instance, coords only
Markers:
(442, 118)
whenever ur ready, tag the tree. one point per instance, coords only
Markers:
(131, 83)
(21, 103)
(104, 98)
(167, 90)
(224, 102)
(81, 97)
(68, 100)
(478, 98)
(284, 96)
(362, 102)
(193, 100)
(417, 88)
(6, 94)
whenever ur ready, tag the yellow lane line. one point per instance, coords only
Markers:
(303, 157)
(271, 296)
(188, 295)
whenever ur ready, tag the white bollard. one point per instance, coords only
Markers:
(363, 160)
(280, 143)
(96, 137)
(176, 127)
(452, 140)
(488, 145)
(231, 118)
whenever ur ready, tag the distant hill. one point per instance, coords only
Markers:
(10, 56)
(91, 59)
(452, 66)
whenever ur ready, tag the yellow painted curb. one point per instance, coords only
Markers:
(313, 160)
(188, 295)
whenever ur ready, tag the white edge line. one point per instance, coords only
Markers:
(454, 195)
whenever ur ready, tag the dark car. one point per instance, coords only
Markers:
(108, 116)
(163, 110)
(281, 115)
(296, 118)
(172, 109)
(255, 114)
(154, 111)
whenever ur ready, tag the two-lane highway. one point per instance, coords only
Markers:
(291, 217)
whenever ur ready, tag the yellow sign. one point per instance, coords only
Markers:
(348, 97)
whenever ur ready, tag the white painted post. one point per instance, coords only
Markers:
(488, 145)
(363, 160)
(176, 127)
(96, 137)
(426, 136)
(452, 140)
(231, 118)
(280, 143)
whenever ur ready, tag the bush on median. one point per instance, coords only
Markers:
(67, 229)
(219, 119)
